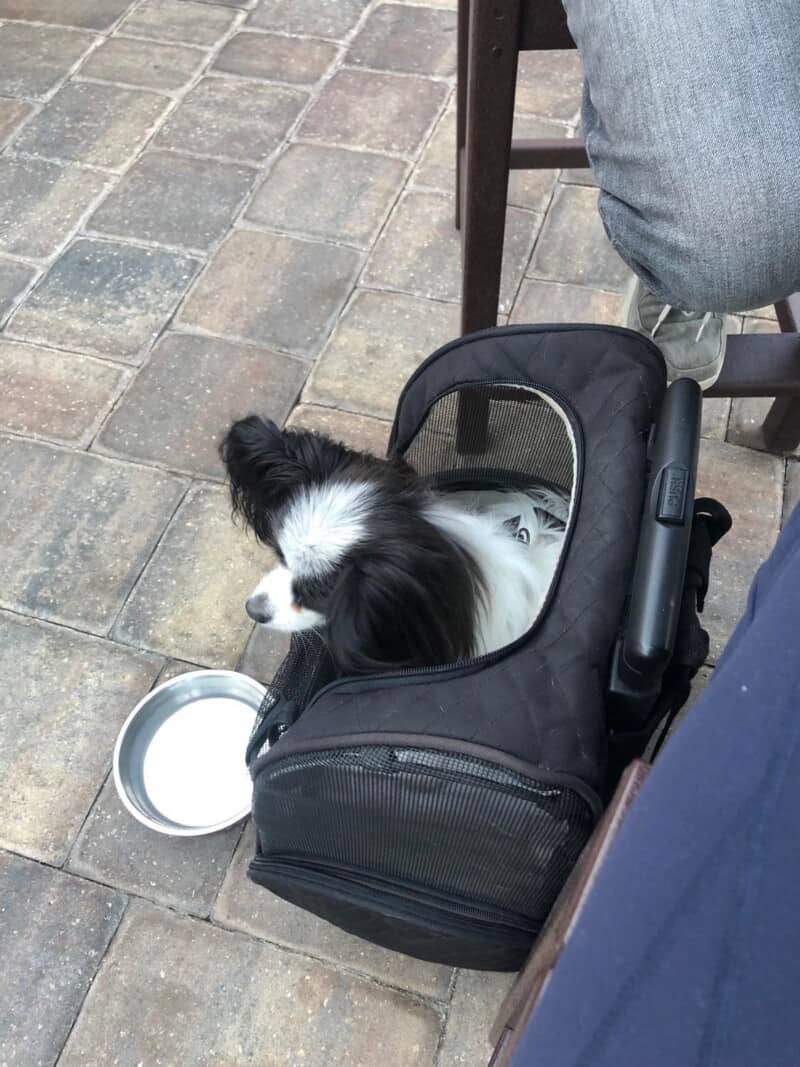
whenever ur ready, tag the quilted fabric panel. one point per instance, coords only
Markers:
(543, 703)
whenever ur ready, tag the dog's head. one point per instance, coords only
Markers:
(354, 550)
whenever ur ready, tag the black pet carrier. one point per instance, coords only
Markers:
(439, 812)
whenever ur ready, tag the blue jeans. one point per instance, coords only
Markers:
(687, 952)
(691, 115)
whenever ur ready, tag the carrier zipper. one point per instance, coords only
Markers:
(363, 888)
(409, 675)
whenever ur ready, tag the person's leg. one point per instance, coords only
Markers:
(688, 948)
(691, 118)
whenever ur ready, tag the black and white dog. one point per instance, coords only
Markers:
(399, 576)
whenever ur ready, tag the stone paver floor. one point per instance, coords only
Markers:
(205, 209)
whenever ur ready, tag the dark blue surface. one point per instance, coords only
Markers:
(688, 949)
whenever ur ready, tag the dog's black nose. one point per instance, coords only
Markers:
(258, 609)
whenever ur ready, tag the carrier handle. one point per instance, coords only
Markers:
(655, 602)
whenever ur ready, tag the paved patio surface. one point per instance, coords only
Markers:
(208, 209)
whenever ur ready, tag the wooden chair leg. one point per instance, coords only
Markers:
(491, 83)
(461, 102)
(781, 427)
(492, 50)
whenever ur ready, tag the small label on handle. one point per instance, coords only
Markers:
(672, 495)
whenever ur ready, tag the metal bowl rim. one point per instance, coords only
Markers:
(122, 793)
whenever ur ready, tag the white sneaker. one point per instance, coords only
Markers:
(692, 342)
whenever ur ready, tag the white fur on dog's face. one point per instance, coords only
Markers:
(320, 525)
(275, 596)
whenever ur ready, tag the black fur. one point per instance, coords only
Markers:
(405, 596)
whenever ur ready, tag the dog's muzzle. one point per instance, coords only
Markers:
(257, 607)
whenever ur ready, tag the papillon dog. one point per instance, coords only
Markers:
(397, 575)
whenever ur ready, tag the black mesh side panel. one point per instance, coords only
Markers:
(450, 825)
(304, 670)
(514, 434)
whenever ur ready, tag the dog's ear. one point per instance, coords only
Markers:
(261, 468)
(400, 605)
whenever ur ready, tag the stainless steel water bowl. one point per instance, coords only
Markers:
(179, 759)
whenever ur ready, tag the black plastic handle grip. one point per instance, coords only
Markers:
(664, 539)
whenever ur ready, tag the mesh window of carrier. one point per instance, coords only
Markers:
(438, 812)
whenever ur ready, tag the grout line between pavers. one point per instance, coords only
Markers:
(162, 42)
(537, 237)
(59, 625)
(14, 153)
(156, 545)
(435, 1003)
(93, 979)
(173, 103)
(312, 96)
(264, 166)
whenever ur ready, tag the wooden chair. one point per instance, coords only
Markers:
(491, 34)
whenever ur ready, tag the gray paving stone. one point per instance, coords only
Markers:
(414, 40)
(105, 299)
(436, 168)
(716, 412)
(73, 549)
(555, 302)
(245, 906)
(767, 312)
(179, 20)
(12, 112)
(64, 698)
(54, 932)
(283, 59)
(573, 246)
(181, 872)
(190, 391)
(791, 493)
(549, 84)
(477, 996)
(277, 291)
(34, 59)
(361, 432)
(359, 189)
(42, 203)
(102, 125)
(235, 1001)
(143, 63)
(14, 279)
(174, 200)
(173, 668)
(750, 485)
(379, 341)
(316, 18)
(419, 250)
(189, 603)
(746, 420)
(263, 653)
(578, 175)
(533, 189)
(55, 394)
(87, 14)
(530, 189)
(345, 112)
(232, 118)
